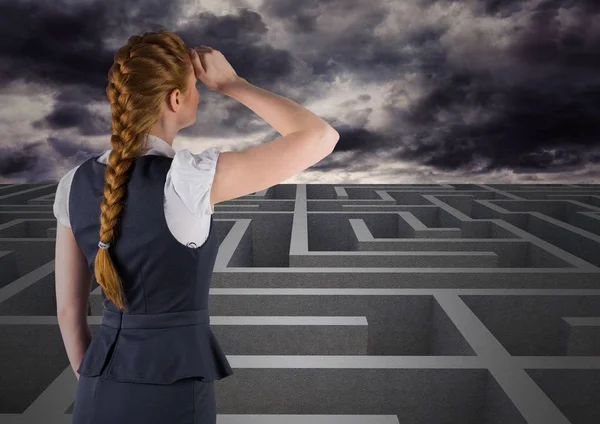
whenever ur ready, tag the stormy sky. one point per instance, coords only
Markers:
(423, 91)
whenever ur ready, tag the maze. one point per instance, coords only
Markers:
(377, 304)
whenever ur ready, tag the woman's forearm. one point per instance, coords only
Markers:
(283, 114)
(77, 336)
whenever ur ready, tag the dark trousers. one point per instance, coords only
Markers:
(100, 400)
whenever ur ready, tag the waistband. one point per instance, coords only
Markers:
(168, 319)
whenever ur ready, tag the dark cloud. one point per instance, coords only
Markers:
(67, 148)
(528, 106)
(14, 162)
(547, 124)
(66, 49)
(72, 115)
(549, 42)
(31, 162)
(501, 8)
(356, 139)
(525, 121)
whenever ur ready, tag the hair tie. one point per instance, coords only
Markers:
(103, 245)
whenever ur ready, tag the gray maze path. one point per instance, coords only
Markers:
(376, 304)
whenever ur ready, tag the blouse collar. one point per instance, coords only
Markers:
(158, 146)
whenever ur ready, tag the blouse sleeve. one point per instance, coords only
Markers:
(192, 177)
(61, 199)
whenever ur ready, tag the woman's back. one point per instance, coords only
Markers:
(165, 334)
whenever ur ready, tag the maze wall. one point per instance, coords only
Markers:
(378, 304)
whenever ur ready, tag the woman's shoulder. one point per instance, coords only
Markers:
(63, 189)
(61, 197)
(184, 160)
(191, 176)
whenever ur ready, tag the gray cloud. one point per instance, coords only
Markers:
(475, 87)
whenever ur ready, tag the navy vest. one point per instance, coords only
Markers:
(165, 334)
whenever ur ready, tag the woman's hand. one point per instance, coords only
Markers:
(211, 67)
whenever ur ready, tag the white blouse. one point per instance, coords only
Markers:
(187, 191)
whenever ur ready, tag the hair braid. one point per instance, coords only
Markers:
(144, 73)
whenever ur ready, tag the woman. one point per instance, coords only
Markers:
(126, 219)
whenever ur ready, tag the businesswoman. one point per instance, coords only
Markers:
(138, 220)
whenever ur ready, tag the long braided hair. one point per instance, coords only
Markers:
(144, 73)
